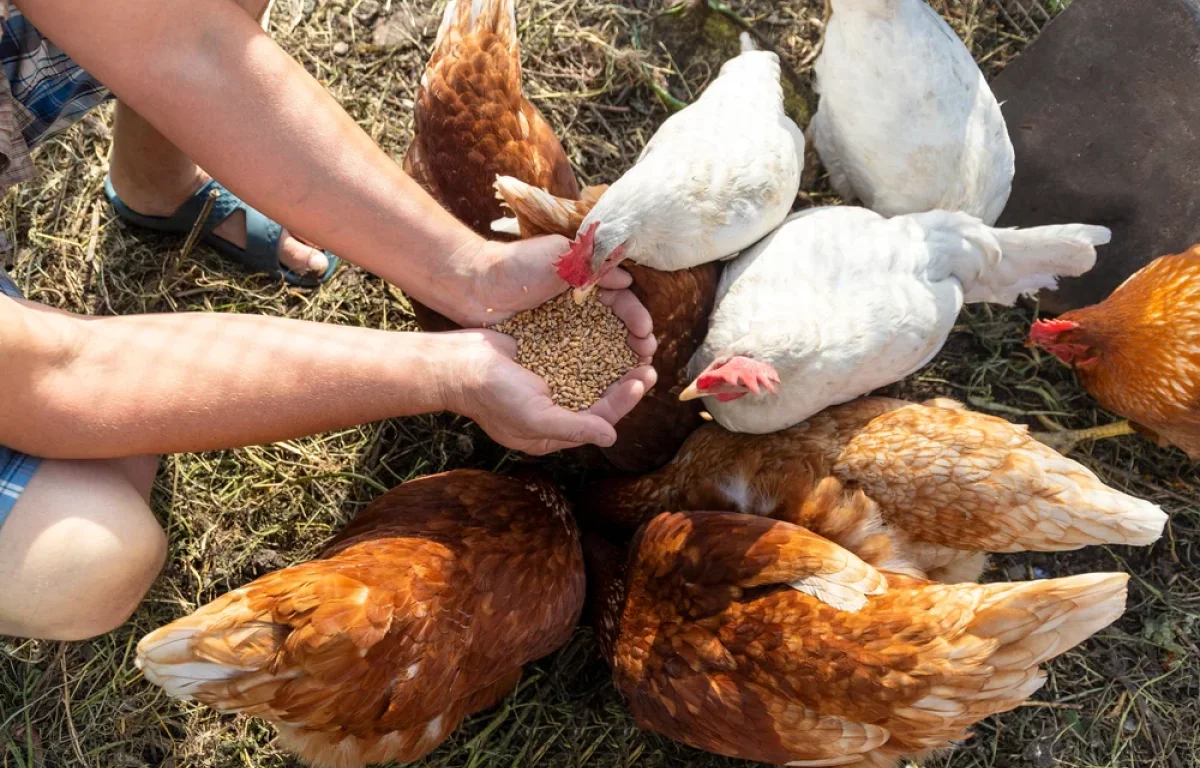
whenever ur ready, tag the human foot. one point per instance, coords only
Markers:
(163, 198)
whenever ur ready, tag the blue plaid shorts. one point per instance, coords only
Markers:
(48, 87)
(16, 469)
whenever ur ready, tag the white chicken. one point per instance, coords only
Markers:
(906, 122)
(840, 301)
(714, 178)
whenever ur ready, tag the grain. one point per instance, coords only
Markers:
(578, 349)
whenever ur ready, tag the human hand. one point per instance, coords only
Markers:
(506, 278)
(513, 405)
(503, 279)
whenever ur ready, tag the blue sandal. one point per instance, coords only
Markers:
(261, 253)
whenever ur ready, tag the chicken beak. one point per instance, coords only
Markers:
(691, 393)
(580, 294)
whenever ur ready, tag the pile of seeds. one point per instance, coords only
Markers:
(579, 349)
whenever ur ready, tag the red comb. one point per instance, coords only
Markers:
(1048, 330)
(575, 266)
(740, 372)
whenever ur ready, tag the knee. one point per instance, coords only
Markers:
(91, 552)
(111, 578)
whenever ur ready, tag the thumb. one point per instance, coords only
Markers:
(561, 425)
(552, 246)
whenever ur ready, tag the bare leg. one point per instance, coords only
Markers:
(154, 178)
(79, 549)
(1064, 442)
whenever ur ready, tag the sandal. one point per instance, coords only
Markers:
(262, 234)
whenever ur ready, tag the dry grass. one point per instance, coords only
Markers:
(1126, 699)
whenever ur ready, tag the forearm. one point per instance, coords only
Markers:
(206, 76)
(120, 386)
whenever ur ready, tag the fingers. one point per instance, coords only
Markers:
(546, 248)
(621, 398)
(556, 244)
(630, 311)
(643, 348)
(616, 280)
(560, 428)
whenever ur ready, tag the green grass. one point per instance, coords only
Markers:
(1126, 698)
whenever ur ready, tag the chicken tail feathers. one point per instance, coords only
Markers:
(463, 16)
(746, 40)
(296, 625)
(214, 655)
(993, 665)
(537, 212)
(1033, 259)
(1035, 621)
(1085, 511)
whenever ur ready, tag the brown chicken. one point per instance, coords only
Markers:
(473, 123)
(1138, 352)
(421, 612)
(757, 639)
(679, 304)
(952, 484)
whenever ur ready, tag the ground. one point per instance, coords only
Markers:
(1126, 698)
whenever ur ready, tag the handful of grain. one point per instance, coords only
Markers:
(578, 349)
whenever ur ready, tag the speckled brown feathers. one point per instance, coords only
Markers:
(473, 123)
(1146, 336)
(537, 212)
(420, 613)
(951, 483)
(713, 644)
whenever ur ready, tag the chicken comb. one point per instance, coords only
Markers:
(1048, 330)
(575, 266)
(741, 372)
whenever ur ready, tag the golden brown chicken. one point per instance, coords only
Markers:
(758, 639)
(679, 304)
(472, 123)
(1138, 352)
(421, 612)
(952, 484)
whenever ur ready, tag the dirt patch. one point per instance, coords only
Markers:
(1127, 698)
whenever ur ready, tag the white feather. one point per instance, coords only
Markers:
(841, 301)
(508, 226)
(907, 122)
(714, 178)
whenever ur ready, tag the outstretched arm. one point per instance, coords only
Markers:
(210, 80)
(80, 387)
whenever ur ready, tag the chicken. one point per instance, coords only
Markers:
(951, 484)
(537, 212)
(841, 301)
(421, 612)
(713, 179)
(680, 304)
(472, 122)
(1138, 352)
(757, 639)
(906, 122)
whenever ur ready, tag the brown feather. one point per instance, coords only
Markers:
(471, 97)
(710, 652)
(421, 612)
(950, 483)
(1147, 338)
